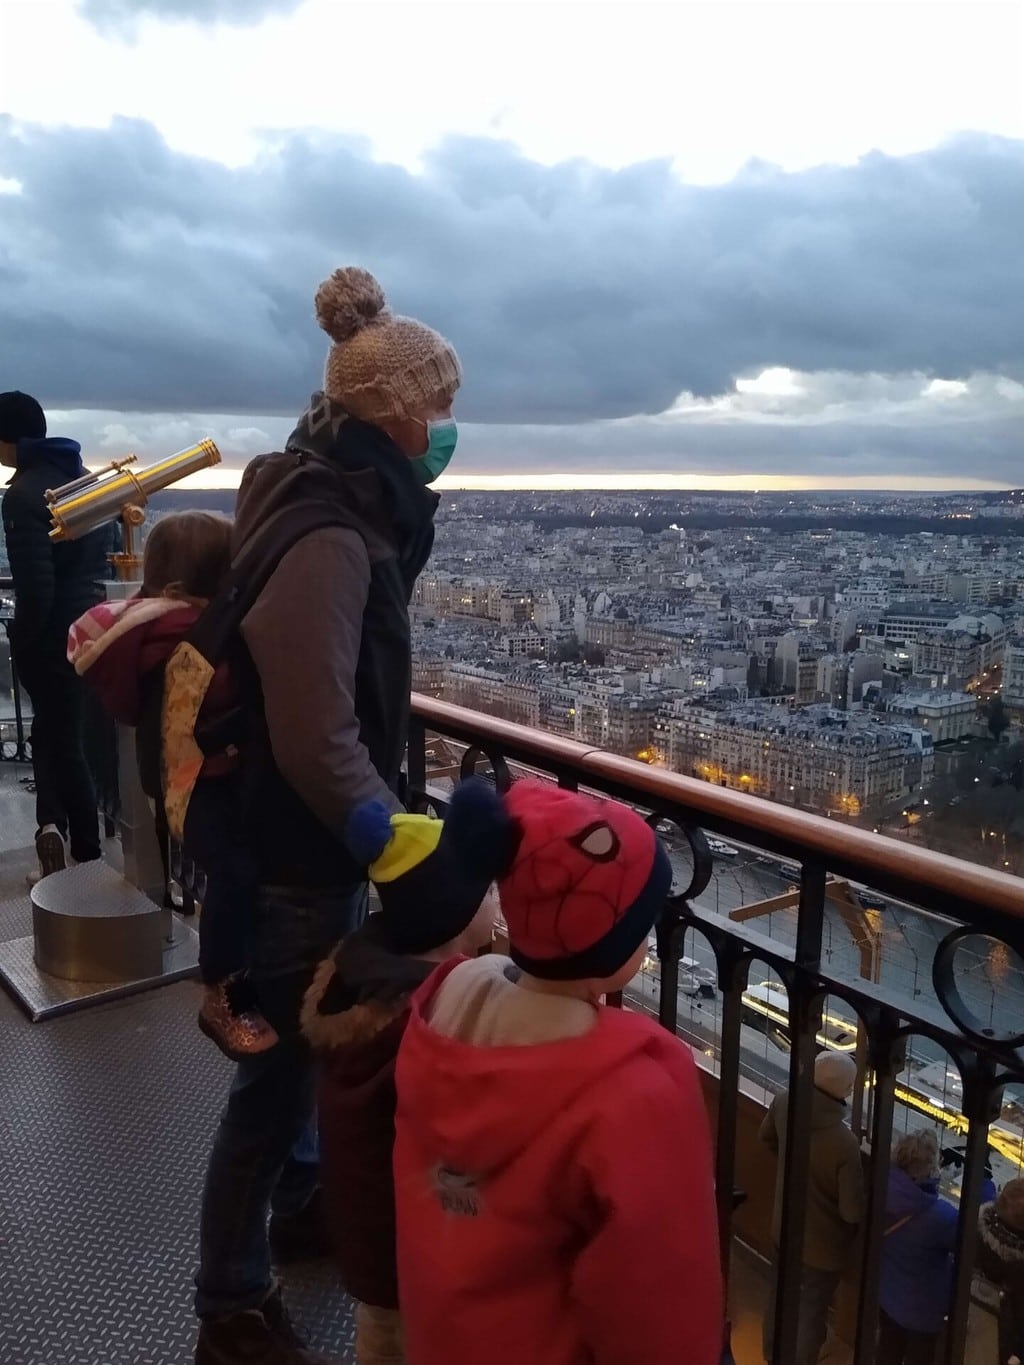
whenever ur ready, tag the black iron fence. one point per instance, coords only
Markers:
(13, 729)
(969, 1007)
(976, 926)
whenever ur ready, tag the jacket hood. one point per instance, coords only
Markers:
(118, 645)
(477, 1107)
(358, 991)
(905, 1196)
(64, 455)
(292, 476)
(336, 458)
(1000, 1240)
(105, 625)
(826, 1110)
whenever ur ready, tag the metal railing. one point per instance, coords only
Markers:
(13, 746)
(972, 901)
(15, 727)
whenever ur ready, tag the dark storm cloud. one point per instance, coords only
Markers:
(988, 449)
(135, 277)
(120, 16)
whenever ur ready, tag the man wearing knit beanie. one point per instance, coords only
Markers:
(553, 1180)
(835, 1199)
(328, 636)
(53, 586)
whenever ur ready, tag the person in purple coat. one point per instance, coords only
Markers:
(917, 1255)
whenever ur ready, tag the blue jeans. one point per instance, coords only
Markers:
(213, 841)
(257, 1153)
(817, 1290)
(300, 1175)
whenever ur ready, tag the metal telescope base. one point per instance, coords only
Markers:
(90, 934)
(95, 937)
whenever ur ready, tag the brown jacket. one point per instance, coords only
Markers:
(354, 1016)
(328, 636)
(835, 1180)
(1000, 1258)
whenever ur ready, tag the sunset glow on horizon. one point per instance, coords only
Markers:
(647, 482)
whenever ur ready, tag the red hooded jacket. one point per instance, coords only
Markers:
(555, 1202)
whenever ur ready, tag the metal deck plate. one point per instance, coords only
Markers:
(106, 1119)
(43, 996)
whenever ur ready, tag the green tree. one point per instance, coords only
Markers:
(998, 720)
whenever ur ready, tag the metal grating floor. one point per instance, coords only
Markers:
(105, 1121)
(44, 996)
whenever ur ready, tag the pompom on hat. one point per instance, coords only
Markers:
(381, 366)
(432, 875)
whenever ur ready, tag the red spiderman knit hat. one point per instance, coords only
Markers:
(588, 880)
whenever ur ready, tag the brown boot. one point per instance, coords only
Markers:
(259, 1336)
(229, 1017)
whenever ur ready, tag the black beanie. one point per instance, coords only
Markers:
(432, 876)
(21, 417)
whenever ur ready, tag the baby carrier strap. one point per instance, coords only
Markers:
(214, 637)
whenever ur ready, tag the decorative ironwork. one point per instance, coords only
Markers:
(14, 750)
(975, 900)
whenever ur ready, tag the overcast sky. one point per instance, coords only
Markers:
(735, 243)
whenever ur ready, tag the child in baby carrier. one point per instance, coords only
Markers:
(121, 649)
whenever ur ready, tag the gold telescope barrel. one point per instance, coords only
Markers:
(81, 510)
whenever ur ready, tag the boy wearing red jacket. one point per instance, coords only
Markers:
(553, 1175)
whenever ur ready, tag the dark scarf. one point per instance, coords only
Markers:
(327, 430)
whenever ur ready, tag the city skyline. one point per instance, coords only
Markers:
(226, 478)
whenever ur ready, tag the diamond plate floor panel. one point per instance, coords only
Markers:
(45, 996)
(105, 1122)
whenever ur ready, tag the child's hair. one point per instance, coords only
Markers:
(187, 555)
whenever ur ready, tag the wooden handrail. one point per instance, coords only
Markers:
(875, 859)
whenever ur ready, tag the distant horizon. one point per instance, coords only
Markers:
(226, 478)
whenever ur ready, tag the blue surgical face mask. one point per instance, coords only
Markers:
(442, 437)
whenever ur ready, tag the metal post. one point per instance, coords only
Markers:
(980, 1104)
(670, 950)
(731, 974)
(143, 866)
(888, 1058)
(416, 761)
(804, 1005)
(20, 751)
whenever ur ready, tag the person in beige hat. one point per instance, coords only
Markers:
(337, 527)
(389, 372)
(835, 1199)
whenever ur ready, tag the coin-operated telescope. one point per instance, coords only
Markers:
(118, 492)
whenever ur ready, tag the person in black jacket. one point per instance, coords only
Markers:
(328, 640)
(53, 585)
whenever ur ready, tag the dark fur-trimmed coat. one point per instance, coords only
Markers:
(1000, 1258)
(354, 1016)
